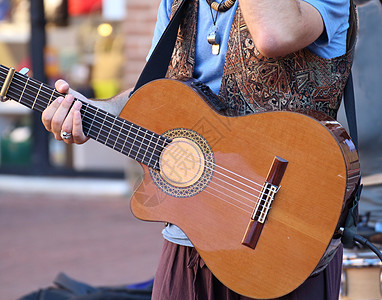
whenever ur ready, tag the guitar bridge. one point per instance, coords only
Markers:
(264, 204)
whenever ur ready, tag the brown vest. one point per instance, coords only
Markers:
(253, 83)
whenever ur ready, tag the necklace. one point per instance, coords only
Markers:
(222, 6)
(213, 37)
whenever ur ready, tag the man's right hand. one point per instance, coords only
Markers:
(62, 117)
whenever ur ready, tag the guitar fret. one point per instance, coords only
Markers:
(133, 143)
(22, 93)
(137, 144)
(84, 114)
(140, 146)
(110, 138)
(110, 130)
(127, 137)
(119, 133)
(100, 129)
(35, 98)
(51, 97)
(152, 152)
(164, 141)
(92, 121)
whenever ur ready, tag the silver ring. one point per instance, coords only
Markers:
(65, 135)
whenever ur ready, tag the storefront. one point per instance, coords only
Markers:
(83, 42)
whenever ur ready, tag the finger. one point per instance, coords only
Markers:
(67, 126)
(60, 115)
(78, 133)
(62, 86)
(48, 113)
(66, 137)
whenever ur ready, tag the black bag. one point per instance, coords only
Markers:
(67, 288)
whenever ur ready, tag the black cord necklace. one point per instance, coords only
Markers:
(213, 37)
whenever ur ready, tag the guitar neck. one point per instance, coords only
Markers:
(130, 139)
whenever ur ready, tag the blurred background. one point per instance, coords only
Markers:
(66, 208)
(98, 46)
(86, 228)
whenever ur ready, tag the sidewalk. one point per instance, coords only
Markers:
(95, 239)
(87, 231)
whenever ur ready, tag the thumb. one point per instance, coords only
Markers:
(62, 86)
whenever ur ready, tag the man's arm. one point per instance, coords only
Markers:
(281, 27)
(61, 115)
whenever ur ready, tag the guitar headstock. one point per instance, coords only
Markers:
(7, 74)
(6, 84)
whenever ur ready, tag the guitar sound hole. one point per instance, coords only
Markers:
(186, 164)
(182, 162)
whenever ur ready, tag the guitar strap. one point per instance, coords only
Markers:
(350, 226)
(156, 66)
(349, 104)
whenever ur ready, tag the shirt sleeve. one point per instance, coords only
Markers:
(335, 15)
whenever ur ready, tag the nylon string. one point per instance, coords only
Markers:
(139, 129)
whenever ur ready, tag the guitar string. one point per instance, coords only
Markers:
(253, 212)
(221, 185)
(216, 165)
(232, 185)
(242, 196)
(162, 146)
(138, 129)
(120, 120)
(227, 201)
(86, 104)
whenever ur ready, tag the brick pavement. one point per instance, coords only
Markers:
(93, 239)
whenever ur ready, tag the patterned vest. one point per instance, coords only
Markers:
(253, 83)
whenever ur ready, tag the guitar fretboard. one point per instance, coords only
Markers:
(130, 139)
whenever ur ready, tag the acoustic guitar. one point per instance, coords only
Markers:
(259, 196)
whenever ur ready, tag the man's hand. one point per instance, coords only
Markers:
(63, 117)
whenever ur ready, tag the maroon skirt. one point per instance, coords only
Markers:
(183, 275)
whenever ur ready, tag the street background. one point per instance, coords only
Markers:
(95, 239)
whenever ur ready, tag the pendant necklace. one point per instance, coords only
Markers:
(213, 37)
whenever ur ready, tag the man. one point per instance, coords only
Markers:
(258, 55)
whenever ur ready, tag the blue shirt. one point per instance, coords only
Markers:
(209, 68)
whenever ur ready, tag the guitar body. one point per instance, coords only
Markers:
(213, 203)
